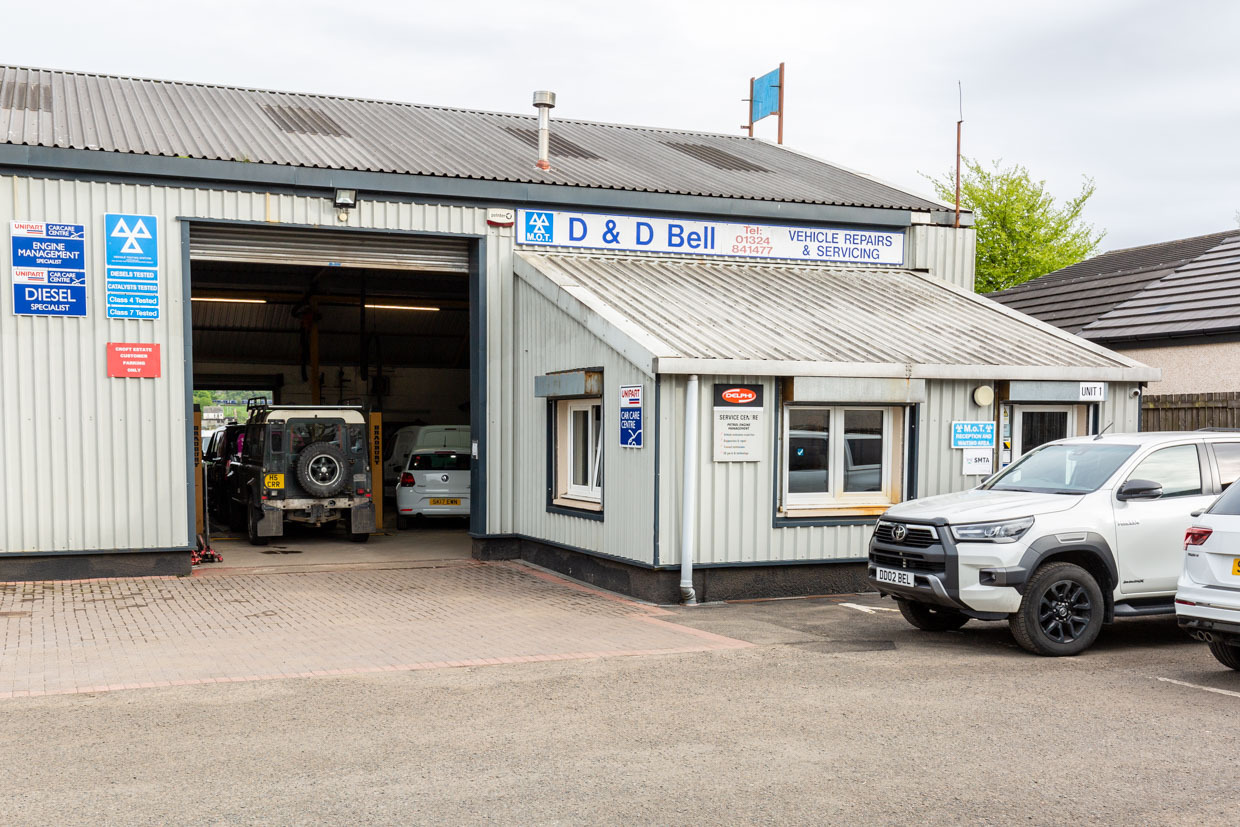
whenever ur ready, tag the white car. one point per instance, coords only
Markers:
(435, 483)
(1207, 602)
(1074, 534)
(416, 437)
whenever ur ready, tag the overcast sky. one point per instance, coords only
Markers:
(1140, 96)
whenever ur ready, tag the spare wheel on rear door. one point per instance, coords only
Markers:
(321, 469)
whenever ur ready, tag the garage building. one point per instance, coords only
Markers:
(661, 340)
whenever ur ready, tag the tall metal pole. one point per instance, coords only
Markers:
(782, 81)
(958, 123)
(749, 114)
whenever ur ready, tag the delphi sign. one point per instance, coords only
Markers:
(551, 228)
(739, 423)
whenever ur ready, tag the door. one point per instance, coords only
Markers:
(1150, 533)
(1036, 425)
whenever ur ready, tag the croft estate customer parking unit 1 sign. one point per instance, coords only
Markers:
(739, 423)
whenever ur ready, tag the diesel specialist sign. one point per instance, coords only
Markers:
(49, 269)
(739, 423)
(552, 228)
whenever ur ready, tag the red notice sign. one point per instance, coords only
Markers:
(131, 361)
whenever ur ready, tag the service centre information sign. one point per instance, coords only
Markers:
(630, 416)
(49, 269)
(739, 423)
(131, 248)
(551, 228)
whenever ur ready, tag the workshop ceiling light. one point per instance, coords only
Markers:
(345, 199)
(227, 301)
(398, 307)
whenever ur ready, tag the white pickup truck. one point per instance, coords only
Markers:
(1073, 535)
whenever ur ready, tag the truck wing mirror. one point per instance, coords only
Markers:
(1139, 490)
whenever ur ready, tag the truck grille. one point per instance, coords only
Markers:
(919, 536)
(907, 560)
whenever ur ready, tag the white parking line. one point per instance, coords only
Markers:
(1202, 688)
(868, 609)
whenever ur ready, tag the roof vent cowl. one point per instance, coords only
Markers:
(544, 102)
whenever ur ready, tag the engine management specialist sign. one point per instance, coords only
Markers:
(550, 228)
(630, 416)
(131, 244)
(49, 269)
(739, 423)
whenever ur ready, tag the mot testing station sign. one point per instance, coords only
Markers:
(133, 361)
(974, 434)
(630, 416)
(131, 246)
(49, 268)
(739, 423)
(551, 228)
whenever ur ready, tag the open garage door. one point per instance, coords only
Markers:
(323, 318)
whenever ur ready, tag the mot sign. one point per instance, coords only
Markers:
(974, 434)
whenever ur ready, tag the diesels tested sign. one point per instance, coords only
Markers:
(551, 228)
(131, 259)
(49, 268)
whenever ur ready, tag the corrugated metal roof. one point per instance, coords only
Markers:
(1074, 297)
(861, 321)
(173, 119)
(1201, 297)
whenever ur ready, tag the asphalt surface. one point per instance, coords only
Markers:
(835, 716)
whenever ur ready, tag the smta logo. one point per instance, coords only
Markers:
(539, 227)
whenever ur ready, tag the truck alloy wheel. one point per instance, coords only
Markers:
(1060, 613)
(253, 515)
(321, 469)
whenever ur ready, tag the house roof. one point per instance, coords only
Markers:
(1076, 298)
(171, 119)
(693, 316)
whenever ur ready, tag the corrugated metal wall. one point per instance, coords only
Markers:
(940, 466)
(547, 340)
(1121, 409)
(92, 463)
(946, 252)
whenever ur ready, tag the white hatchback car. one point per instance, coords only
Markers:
(435, 483)
(1207, 601)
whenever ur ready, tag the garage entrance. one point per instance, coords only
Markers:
(312, 317)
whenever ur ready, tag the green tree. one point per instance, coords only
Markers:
(1022, 232)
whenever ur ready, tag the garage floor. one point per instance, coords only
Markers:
(308, 549)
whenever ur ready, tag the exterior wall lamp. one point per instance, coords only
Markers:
(343, 200)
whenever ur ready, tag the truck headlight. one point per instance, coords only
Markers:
(1007, 531)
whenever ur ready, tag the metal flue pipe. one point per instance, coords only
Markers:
(544, 102)
(688, 518)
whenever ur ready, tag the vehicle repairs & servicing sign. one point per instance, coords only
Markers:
(739, 423)
(552, 228)
(49, 268)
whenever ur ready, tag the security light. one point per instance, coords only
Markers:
(345, 199)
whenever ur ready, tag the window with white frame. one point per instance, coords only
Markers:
(841, 456)
(579, 452)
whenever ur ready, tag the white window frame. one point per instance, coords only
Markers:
(835, 496)
(1018, 435)
(566, 447)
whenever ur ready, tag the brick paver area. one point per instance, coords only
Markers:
(99, 635)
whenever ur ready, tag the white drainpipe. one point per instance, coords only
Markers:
(689, 505)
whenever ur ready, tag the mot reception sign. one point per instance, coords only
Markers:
(49, 268)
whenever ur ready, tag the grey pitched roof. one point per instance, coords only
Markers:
(688, 316)
(191, 120)
(1076, 297)
(1201, 297)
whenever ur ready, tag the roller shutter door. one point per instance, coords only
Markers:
(326, 248)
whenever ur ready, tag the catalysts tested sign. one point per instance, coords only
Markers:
(552, 228)
(49, 269)
(740, 423)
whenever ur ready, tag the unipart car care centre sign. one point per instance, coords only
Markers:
(49, 269)
(739, 423)
(550, 228)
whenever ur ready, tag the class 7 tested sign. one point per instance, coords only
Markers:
(631, 416)
(131, 246)
(49, 269)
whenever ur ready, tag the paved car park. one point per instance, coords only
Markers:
(384, 695)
